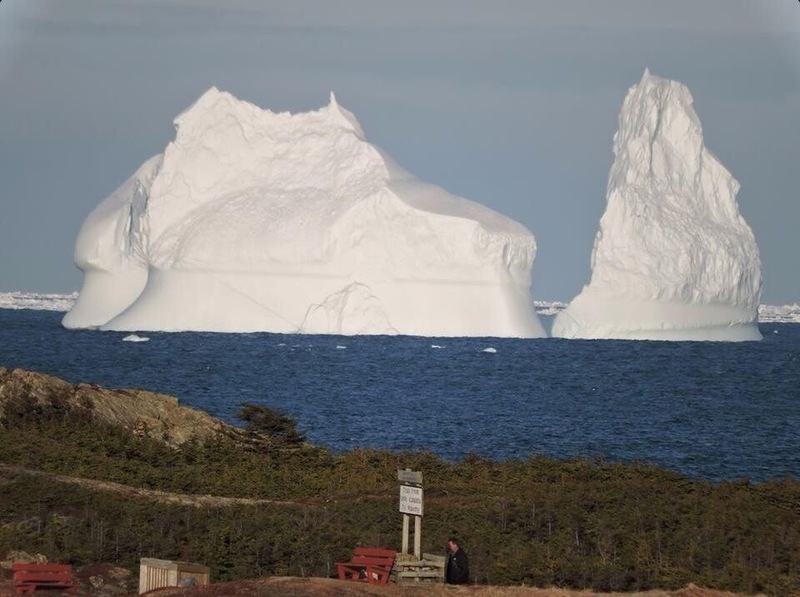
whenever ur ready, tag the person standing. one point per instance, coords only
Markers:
(457, 566)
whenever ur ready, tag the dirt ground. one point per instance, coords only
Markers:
(277, 586)
(323, 587)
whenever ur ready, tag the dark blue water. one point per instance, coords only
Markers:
(709, 410)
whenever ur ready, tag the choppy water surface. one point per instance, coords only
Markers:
(710, 410)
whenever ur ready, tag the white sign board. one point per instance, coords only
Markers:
(409, 476)
(411, 500)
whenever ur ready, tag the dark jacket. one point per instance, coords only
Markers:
(457, 568)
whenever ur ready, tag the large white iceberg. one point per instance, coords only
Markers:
(257, 221)
(673, 258)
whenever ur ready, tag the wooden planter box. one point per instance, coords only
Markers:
(155, 574)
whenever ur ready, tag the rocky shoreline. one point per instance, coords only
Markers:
(143, 413)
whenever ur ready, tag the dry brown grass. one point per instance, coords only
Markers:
(323, 587)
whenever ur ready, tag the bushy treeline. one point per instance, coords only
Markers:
(580, 524)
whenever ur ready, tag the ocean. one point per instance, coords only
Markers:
(712, 411)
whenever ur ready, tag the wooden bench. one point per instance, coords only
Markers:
(29, 577)
(368, 564)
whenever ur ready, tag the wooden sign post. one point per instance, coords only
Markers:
(411, 505)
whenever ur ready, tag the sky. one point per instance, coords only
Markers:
(510, 103)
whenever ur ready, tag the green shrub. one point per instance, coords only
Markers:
(576, 523)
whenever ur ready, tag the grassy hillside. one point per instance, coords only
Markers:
(579, 524)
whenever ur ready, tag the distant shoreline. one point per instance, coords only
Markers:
(63, 302)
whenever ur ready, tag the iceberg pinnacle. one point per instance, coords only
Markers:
(258, 221)
(673, 258)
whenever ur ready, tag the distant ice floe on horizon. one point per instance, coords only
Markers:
(36, 301)
(64, 302)
(779, 313)
(549, 308)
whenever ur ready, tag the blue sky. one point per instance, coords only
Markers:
(509, 103)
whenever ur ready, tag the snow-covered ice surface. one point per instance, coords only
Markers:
(257, 221)
(673, 258)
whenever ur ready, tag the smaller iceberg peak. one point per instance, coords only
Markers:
(648, 77)
(659, 93)
(659, 138)
(343, 117)
(673, 259)
(211, 92)
(209, 100)
(215, 106)
(664, 92)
